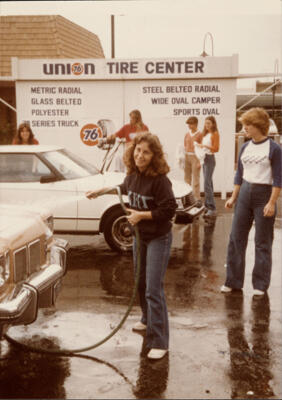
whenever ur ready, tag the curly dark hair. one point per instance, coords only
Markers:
(158, 164)
(18, 138)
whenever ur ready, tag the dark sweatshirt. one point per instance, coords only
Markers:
(148, 193)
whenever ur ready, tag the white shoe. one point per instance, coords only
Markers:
(156, 354)
(258, 292)
(139, 326)
(225, 289)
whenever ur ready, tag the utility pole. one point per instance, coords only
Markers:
(273, 100)
(276, 71)
(113, 35)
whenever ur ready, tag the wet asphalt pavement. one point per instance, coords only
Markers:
(221, 346)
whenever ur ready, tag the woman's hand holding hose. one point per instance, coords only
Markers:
(92, 194)
(135, 216)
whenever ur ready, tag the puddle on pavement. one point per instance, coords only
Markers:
(191, 266)
(152, 376)
(99, 280)
(32, 375)
(250, 357)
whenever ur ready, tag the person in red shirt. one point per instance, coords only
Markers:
(129, 131)
(24, 135)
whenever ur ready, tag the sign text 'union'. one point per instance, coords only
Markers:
(69, 69)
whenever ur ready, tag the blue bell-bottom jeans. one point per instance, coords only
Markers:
(154, 260)
(249, 208)
(208, 168)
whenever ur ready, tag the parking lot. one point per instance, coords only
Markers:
(221, 346)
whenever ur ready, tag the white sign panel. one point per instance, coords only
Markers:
(97, 69)
(70, 114)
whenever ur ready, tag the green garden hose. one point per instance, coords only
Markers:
(70, 352)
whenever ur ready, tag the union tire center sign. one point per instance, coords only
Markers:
(71, 103)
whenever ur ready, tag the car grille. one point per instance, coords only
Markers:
(20, 264)
(26, 261)
(34, 256)
(188, 200)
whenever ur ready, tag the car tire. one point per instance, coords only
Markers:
(117, 231)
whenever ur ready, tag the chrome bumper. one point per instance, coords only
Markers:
(21, 309)
(39, 291)
(47, 283)
(59, 253)
(186, 215)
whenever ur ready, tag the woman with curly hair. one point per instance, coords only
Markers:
(24, 135)
(152, 207)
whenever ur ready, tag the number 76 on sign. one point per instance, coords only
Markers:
(90, 133)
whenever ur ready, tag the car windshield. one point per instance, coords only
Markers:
(70, 165)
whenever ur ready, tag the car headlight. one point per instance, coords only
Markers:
(4, 268)
(179, 203)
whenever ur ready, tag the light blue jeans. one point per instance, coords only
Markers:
(154, 261)
(208, 168)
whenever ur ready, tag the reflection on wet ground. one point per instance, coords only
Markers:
(250, 363)
(152, 375)
(190, 263)
(26, 375)
(221, 346)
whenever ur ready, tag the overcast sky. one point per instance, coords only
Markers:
(176, 28)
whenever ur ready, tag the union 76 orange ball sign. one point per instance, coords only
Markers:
(77, 69)
(90, 134)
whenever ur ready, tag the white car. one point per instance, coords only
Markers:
(53, 176)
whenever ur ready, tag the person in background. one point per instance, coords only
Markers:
(127, 134)
(192, 164)
(257, 185)
(24, 135)
(152, 207)
(210, 143)
(129, 131)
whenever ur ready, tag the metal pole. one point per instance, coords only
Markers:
(276, 72)
(7, 104)
(265, 90)
(273, 101)
(113, 35)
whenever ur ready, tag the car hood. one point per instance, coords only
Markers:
(99, 181)
(180, 189)
(19, 226)
(109, 179)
